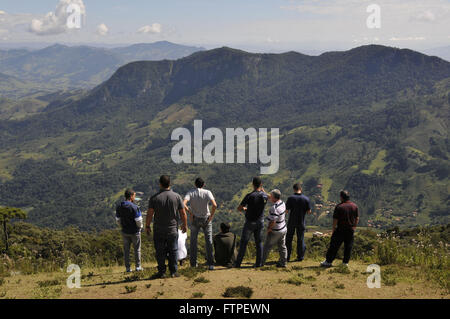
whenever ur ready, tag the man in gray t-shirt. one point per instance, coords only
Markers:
(165, 209)
(200, 218)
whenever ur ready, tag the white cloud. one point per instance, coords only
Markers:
(56, 22)
(102, 29)
(154, 28)
(2, 12)
(425, 16)
(407, 39)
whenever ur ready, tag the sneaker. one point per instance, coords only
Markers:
(175, 275)
(345, 264)
(281, 265)
(210, 267)
(128, 270)
(257, 266)
(299, 260)
(325, 264)
(139, 269)
(236, 266)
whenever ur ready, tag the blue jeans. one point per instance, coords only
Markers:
(166, 246)
(301, 247)
(256, 228)
(197, 224)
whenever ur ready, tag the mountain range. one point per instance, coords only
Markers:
(373, 120)
(67, 67)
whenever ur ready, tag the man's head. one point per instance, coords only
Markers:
(275, 195)
(199, 182)
(257, 183)
(345, 195)
(164, 182)
(130, 194)
(297, 187)
(225, 228)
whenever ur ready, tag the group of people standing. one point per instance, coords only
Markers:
(168, 212)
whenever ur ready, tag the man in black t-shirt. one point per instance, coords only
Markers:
(297, 206)
(165, 210)
(253, 205)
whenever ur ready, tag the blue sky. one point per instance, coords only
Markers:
(259, 25)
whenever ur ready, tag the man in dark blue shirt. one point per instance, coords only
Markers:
(297, 206)
(253, 205)
(129, 218)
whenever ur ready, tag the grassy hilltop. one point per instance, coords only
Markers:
(414, 264)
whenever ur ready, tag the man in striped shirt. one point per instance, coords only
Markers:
(276, 231)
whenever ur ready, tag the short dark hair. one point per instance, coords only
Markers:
(199, 182)
(128, 193)
(297, 187)
(257, 181)
(345, 195)
(164, 180)
(225, 228)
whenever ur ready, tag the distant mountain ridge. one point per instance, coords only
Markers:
(62, 67)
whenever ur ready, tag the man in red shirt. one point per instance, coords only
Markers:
(345, 220)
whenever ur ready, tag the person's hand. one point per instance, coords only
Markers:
(148, 230)
(183, 229)
(269, 230)
(354, 228)
(210, 218)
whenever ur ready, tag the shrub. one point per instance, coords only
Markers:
(201, 280)
(239, 291)
(130, 289)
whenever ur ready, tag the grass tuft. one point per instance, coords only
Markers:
(238, 292)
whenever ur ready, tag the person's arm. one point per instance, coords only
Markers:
(118, 217)
(357, 219)
(213, 210)
(149, 220)
(186, 200)
(335, 222)
(308, 209)
(243, 206)
(139, 220)
(271, 224)
(183, 220)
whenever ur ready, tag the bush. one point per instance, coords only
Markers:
(130, 289)
(237, 292)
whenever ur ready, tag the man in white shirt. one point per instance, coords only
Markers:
(276, 231)
(201, 218)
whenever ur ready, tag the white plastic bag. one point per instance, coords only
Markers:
(182, 250)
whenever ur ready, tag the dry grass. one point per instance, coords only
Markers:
(271, 283)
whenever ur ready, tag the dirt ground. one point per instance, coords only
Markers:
(300, 280)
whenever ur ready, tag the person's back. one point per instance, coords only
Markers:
(166, 204)
(128, 213)
(199, 200)
(298, 205)
(255, 203)
(225, 247)
(347, 214)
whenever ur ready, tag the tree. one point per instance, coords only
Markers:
(8, 213)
